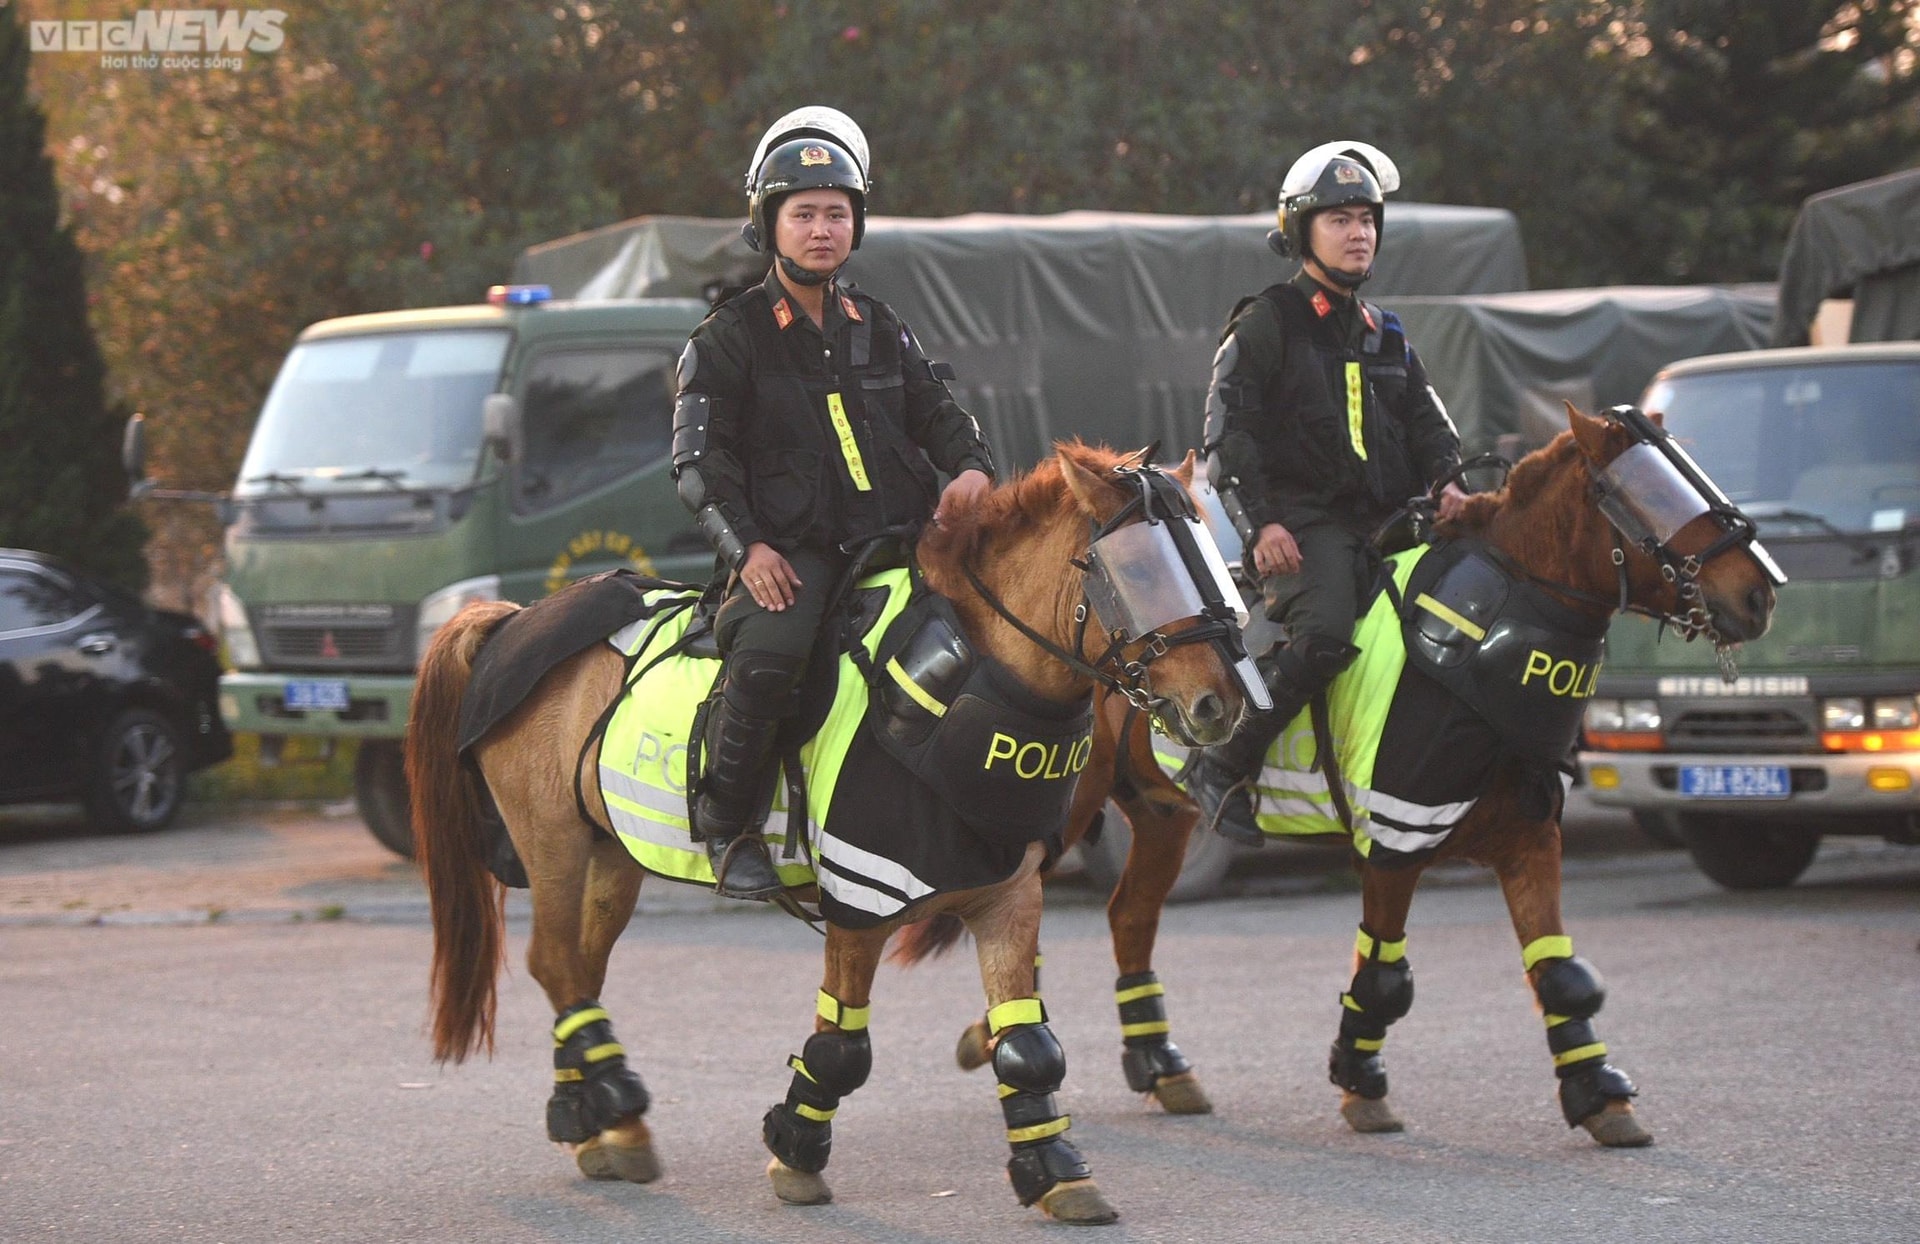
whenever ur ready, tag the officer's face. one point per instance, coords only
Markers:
(1344, 239)
(815, 228)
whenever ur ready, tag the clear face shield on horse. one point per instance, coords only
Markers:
(1142, 576)
(1649, 493)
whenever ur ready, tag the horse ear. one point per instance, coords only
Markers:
(1091, 491)
(1184, 472)
(1590, 433)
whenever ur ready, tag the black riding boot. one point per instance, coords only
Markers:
(1220, 779)
(738, 748)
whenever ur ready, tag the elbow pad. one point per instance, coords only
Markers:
(692, 417)
(707, 516)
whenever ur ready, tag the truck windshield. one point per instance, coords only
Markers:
(1822, 444)
(376, 412)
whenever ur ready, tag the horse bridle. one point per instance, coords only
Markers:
(1161, 501)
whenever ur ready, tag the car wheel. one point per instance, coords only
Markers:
(1748, 855)
(137, 775)
(380, 793)
(1202, 873)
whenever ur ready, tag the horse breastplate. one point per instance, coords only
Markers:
(1523, 662)
(1005, 760)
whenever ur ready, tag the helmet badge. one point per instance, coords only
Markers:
(1346, 174)
(810, 156)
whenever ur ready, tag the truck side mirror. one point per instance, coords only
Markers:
(133, 455)
(500, 425)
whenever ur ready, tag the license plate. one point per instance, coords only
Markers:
(326, 693)
(1736, 781)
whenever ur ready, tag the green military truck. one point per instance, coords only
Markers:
(407, 463)
(1820, 733)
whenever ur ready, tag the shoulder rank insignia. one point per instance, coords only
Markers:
(782, 314)
(852, 312)
(1321, 306)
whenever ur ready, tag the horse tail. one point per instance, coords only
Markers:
(927, 939)
(469, 946)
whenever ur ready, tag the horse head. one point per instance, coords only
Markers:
(1157, 611)
(1679, 549)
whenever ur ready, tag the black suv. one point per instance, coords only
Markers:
(102, 698)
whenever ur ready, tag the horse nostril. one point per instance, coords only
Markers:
(1760, 601)
(1208, 708)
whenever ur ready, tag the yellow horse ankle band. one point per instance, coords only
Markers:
(1018, 1011)
(1143, 1008)
(1554, 947)
(1370, 947)
(840, 1015)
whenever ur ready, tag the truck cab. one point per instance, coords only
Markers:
(1820, 731)
(408, 463)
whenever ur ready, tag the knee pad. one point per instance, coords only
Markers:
(838, 1062)
(1029, 1058)
(1569, 987)
(1323, 658)
(764, 684)
(1384, 991)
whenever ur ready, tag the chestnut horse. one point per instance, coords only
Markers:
(1017, 544)
(1546, 523)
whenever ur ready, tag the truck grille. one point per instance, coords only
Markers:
(1722, 729)
(342, 637)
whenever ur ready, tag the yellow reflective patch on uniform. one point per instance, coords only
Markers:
(1150, 1028)
(1356, 411)
(849, 448)
(1039, 1131)
(1546, 948)
(1458, 621)
(809, 1112)
(562, 1029)
(1018, 1011)
(914, 690)
(1581, 1053)
(1125, 996)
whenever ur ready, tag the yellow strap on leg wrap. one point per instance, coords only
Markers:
(1390, 952)
(840, 1015)
(1018, 1011)
(1580, 1054)
(1560, 947)
(1124, 996)
(564, 1028)
(1039, 1131)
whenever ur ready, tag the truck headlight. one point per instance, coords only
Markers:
(1847, 712)
(1605, 717)
(1896, 714)
(1641, 715)
(236, 634)
(438, 609)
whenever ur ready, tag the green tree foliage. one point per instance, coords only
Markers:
(1742, 108)
(61, 486)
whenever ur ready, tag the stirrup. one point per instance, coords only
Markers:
(1213, 819)
(743, 867)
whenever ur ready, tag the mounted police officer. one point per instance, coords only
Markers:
(807, 420)
(1320, 424)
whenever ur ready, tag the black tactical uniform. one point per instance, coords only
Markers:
(1319, 418)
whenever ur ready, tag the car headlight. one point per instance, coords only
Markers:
(1641, 715)
(1896, 714)
(1605, 717)
(438, 609)
(1847, 712)
(236, 634)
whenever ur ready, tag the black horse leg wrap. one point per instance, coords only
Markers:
(799, 1130)
(1571, 993)
(593, 1087)
(1381, 992)
(1149, 1055)
(1030, 1065)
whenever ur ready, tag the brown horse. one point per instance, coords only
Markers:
(1017, 545)
(1546, 523)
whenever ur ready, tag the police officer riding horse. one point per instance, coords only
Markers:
(808, 422)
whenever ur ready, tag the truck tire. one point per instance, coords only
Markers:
(138, 772)
(1201, 876)
(380, 793)
(1751, 854)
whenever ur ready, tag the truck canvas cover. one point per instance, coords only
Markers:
(1093, 324)
(1861, 241)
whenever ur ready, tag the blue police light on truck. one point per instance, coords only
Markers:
(519, 295)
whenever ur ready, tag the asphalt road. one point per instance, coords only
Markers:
(215, 1034)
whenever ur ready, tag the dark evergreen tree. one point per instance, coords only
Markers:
(61, 486)
(1743, 108)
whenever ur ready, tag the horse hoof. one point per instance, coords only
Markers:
(797, 1187)
(1079, 1202)
(972, 1051)
(1182, 1094)
(1616, 1127)
(623, 1151)
(1369, 1114)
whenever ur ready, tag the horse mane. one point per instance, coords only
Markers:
(1033, 499)
(1531, 478)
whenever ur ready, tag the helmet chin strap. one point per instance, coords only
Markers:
(1345, 280)
(802, 276)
